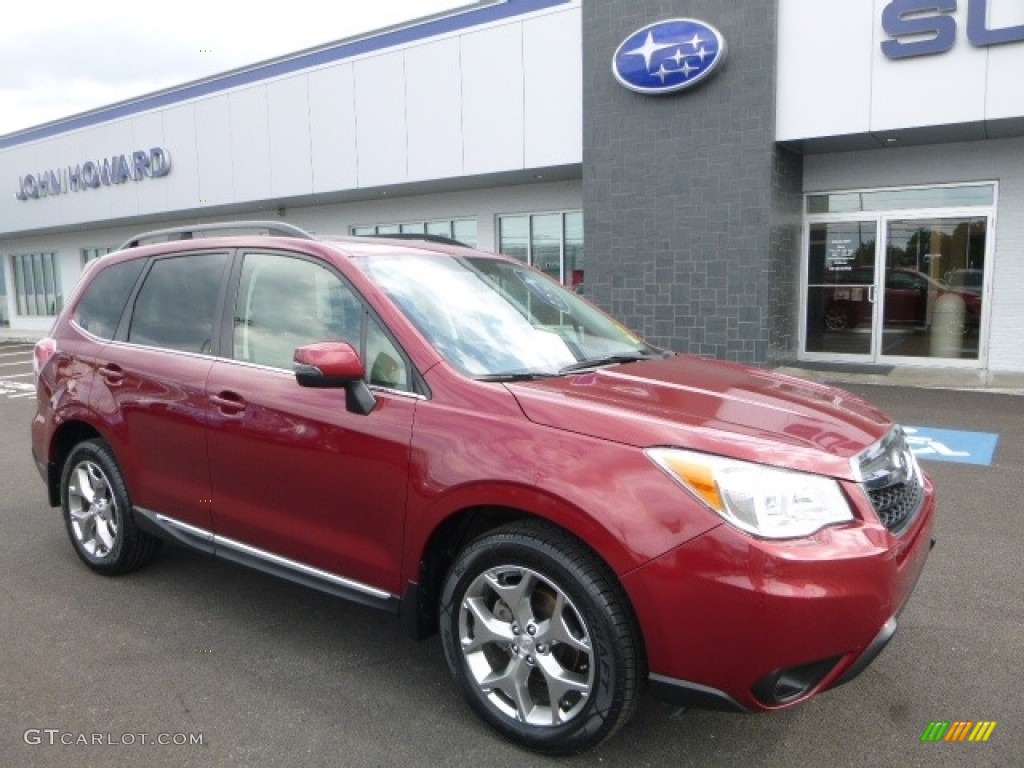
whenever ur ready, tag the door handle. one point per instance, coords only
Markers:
(229, 403)
(871, 294)
(112, 373)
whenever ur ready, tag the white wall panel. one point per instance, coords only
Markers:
(492, 95)
(835, 80)
(928, 90)
(115, 139)
(824, 76)
(332, 128)
(291, 168)
(147, 132)
(182, 183)
(213, 151)
(380, 119)
(433, 93)
(250, 143)
(1005, 93)
(32, 160)
(553, 92)
(96, 204)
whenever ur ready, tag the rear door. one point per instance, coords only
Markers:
(295, 474)
(153, 391)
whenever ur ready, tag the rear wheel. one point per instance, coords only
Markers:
(540, 639)
(97, 512)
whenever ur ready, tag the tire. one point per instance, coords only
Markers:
(508, 655)
(97, 512)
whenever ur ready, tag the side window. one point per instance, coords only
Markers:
(177, 304)
(100, 309)
(285, 302)
(385, 366)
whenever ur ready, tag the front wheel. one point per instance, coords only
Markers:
(540, 639)
(97, 512)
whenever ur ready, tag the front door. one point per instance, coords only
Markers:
(293, 472)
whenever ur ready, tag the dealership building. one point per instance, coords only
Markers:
(774, 182)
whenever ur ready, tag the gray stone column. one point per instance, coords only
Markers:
(692, 213)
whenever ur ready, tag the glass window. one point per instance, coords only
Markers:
(902, 199)
(514, 237)
(490, 317)
(546, 244)
(37, 285)
(573, 246)
(442, 228)
(177, 304)
(91, 254)
(102, 305)
(286, 302)
(5, 321)
(552, 242)
(463, 230)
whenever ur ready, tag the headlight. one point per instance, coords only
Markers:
(765, 501)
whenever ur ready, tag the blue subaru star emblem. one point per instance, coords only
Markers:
(668, 56)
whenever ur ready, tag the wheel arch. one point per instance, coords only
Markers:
(421, 598)
(69, 434)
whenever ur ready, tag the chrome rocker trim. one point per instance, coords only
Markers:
(235, 551)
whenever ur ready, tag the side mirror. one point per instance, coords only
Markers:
(335, 364)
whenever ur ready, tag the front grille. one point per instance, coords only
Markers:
(897, 504)
(892, 480)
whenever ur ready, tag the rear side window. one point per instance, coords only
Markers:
(102, 305)
(177, 305)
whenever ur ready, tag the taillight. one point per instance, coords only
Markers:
(44, 350)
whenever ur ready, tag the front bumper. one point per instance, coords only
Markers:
(737, 623)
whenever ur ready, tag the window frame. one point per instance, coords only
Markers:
(414, 384)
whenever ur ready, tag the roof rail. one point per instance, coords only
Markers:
(269, 228)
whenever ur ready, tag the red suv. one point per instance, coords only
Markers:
(453, 437)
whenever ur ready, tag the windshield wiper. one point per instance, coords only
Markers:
(515, 376)
(597, 362)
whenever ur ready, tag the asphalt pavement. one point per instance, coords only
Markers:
(229, 667)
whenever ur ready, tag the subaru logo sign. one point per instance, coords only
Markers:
(668, 56)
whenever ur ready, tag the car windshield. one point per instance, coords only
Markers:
(492, 318)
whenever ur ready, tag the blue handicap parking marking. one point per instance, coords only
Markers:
(952, 445)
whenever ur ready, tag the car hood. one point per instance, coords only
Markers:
(712, 406)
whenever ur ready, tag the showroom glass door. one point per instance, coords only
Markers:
(841, 288)
(932, 298)
(898, 275)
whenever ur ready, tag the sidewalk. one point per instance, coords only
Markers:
(912, 376)
(8, 335)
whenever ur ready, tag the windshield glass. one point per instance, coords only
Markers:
(490, 317)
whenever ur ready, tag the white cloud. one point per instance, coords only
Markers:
(61, 57)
